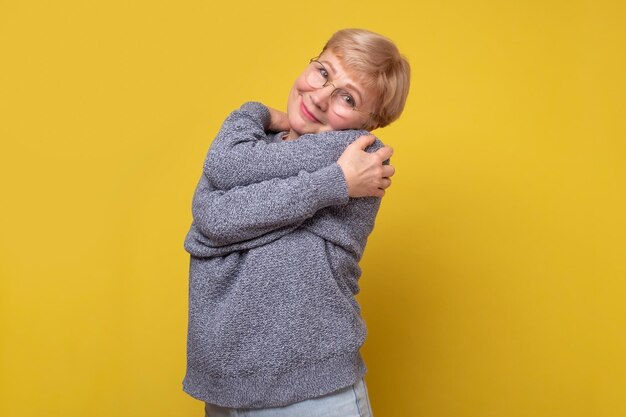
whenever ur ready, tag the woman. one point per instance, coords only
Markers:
(281, 216)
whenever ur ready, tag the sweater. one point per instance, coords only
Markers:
(274, 249)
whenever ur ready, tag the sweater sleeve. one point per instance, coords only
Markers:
(253, 191)
(241, 154)
(245, 213)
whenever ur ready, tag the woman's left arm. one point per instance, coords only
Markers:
(240, 156)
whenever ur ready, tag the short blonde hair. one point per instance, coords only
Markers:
(377, 63)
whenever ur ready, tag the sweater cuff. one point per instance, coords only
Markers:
(329, 187)
(258, 111)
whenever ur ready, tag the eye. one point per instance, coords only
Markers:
(323, 72)
(348, 99)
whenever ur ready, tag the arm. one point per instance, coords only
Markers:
(248, 216)
(242, 155)
(348, 226)
(217, 226)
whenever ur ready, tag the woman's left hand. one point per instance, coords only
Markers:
(279, 122)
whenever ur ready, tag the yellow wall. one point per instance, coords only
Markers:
(494, 283)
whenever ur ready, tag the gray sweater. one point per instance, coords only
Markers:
(275, 245)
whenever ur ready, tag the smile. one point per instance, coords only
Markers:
(307, 113)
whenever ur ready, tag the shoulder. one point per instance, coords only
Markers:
(342, 138)
(252, 110)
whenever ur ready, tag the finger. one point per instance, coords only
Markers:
(384, 153)
(364, 141)
(388, 171)
(385, 183)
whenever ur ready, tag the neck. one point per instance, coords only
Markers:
(291, 135)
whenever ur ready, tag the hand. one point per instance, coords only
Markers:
(279, 122)
(365, 173)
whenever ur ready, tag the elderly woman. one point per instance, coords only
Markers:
(281, 216)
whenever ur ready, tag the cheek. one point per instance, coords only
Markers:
(294, 93)
(292, 103)
(291, 98)
(300, 85)
(338, 123)
(294, 121)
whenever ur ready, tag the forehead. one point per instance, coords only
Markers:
(339, 68)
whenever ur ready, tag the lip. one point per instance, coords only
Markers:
(307, 113)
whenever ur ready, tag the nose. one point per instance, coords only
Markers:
(322, 96)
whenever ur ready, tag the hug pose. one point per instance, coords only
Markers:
(281, 216)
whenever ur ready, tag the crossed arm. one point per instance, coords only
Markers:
(253, 191)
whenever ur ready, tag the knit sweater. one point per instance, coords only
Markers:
(275, 244)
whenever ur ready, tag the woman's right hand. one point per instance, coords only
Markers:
(279, 121)
(365, 174)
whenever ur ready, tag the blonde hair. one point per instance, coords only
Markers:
(376, 61)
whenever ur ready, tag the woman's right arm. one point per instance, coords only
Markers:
(241, 154)
(264, 210)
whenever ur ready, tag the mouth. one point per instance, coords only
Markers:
(307, 113)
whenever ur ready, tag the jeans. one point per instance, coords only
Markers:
(347, 402)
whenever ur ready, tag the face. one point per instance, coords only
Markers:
(310, 110)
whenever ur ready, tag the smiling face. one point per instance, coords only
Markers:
(311, 109)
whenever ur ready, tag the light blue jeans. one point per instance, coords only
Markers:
(347, 402)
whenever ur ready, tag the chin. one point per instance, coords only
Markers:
(296, 125)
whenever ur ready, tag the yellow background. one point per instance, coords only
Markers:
(494, 282)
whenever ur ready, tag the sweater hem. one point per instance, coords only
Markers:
(265, 391)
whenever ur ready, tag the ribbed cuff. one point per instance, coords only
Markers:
(329, 187)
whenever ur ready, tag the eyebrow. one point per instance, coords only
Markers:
(348, 85)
